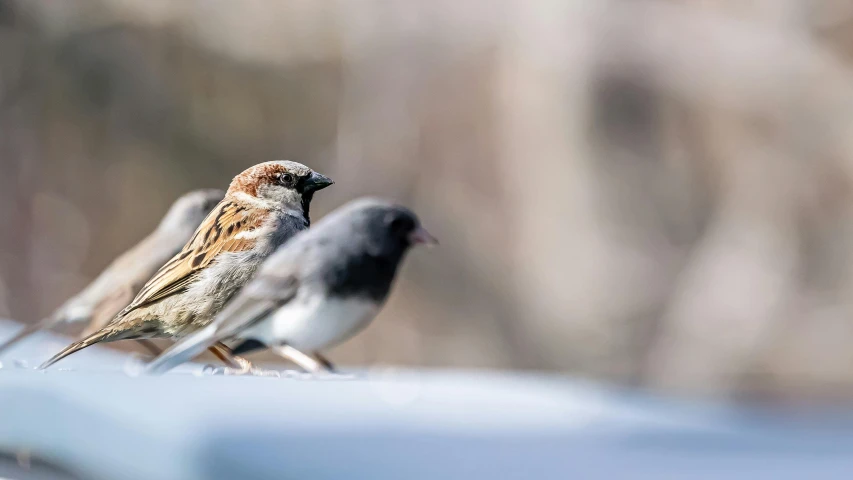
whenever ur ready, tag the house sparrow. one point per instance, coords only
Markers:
(316, 291)
(264, 207)
(116, 286)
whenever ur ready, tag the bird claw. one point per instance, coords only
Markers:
(251, 370)
(238, 372)
(260, 372)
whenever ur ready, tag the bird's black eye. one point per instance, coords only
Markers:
(285, 179)
(400, 225)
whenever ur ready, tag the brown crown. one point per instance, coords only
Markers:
(260, 174)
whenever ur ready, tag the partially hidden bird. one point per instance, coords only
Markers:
(116, 286)
(264, 207)
(316, 291)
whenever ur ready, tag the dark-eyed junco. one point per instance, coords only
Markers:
(316, 291)
(116, 286)
(265, 206)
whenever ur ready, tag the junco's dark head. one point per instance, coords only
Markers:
(389, 229)
(364, 242)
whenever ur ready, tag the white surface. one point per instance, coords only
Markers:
(100, 422)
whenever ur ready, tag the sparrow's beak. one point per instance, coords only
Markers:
(421, 236)
(316, 182)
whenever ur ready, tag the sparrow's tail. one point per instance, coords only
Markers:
(183, 351)
(29, 330)
(77, 346)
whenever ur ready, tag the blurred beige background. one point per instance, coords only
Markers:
(655, 193)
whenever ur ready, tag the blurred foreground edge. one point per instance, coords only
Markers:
(93, 419)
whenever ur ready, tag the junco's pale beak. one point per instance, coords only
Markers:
(421, 236)
(316, 181)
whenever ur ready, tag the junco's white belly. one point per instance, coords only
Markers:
(316, 323)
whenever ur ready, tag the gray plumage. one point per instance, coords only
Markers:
(116, 286)
(317, 290)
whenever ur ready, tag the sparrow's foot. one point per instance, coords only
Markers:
(242, 367)
(235, 372)
(263, 372)
(242, 364)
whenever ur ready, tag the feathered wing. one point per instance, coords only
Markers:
(222, 231)
(257, 301)
(110, 296)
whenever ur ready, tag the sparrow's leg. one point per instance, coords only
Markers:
(238, 365)
(223, 353)
(150, 346)
(305, 361)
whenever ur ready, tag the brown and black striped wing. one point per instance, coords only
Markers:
(219, 233)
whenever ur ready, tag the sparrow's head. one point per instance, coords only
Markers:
(388, 229)
(279, 185)
(190, 209)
